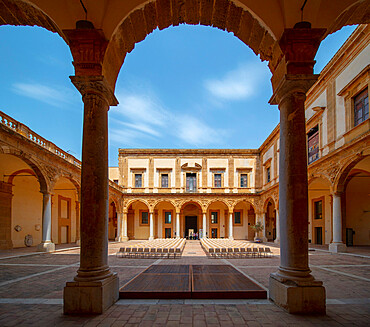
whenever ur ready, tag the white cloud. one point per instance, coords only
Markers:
(238, 84)
(54, 96)
(144, 117)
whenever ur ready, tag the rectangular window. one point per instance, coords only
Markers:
(191, 182)
(144, 218)
(243, 180)
(361, 107)
(318, 209)
(268, 174)
(214, 217)
(164, 180)
(217, 180)
(167, 217)
(237, 218)
(313, 144)
(138, 180)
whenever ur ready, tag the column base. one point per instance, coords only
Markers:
(231, 237)
(46, 247)
(277, 241)
(90, 297)
(151, 238)
(6, 244)
(337, 247)
(307, 299)
(124, 239)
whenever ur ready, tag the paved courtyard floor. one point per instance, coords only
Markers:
(31, 291)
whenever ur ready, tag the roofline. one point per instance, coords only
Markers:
(226, 152)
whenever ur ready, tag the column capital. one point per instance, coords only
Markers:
(95, 85)
(291, 84)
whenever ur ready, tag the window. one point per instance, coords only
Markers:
(361, 107)
(237, 218)
(243, 180)
(167, 217)
(318, 209)
(214, 217)
(191, 182)
(268, 174)
(138, 180)
(164, 180)
(144, 218)
(313, 144)
(217, 178)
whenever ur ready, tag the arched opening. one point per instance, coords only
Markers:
(65, 211)
(190, 219)
(217, 220)
(165, 213)
(356, 208)
(244, 218)
(138, 221)
(320, 207)
(21, 200)
(112, 221)
(270, 220)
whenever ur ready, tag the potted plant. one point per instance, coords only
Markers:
(257, 228)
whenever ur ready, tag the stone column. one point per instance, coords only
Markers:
(204, 224)
(337, 245)
(95, 288)
(277, 239)
(177, 224)
(151, 226)
(231, 237)
(119, 227)
(124, 227)
(292, 286)
(46, 244)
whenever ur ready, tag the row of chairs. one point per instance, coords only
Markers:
(161, 248)
(233, 249)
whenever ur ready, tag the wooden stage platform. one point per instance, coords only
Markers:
(191, 282)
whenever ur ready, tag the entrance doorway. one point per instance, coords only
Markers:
(214, 233)
(191, 224)
(318, 235)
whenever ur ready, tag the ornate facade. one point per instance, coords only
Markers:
(278, 35)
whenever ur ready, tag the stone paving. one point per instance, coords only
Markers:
(31, 291)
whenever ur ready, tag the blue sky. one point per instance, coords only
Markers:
(183, 87)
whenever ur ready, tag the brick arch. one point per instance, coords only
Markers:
(129, 203)
(164, 201)
(76, 183)
(246, 201)
(24, 13)
(192, 201)
(225, 15)
(36, 168)
(218, 200)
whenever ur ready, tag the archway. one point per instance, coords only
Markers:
(190, 218)
(270, 220)
(356, 209)
(138, 221)
(112, 221)
(242, 226)
(21, 213)
(166, 226)
(217, 220)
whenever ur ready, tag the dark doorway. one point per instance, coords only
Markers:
(191, 222)
(214, 233)
(349, 236)
(167, 233)
(318, 235)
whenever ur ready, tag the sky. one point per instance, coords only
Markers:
(182, 87)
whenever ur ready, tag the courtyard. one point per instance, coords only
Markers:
(31, 290)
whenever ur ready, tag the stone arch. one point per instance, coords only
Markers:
(156, 203)
(266, 202)
(130, 202)
(225, 15)
(248, 202)
(218, 200)
(36, 167)
(341, 176)
(13, 175)
(353, 14)
(313, 177)
(24, 13)
(76, 183)
(186, 202)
